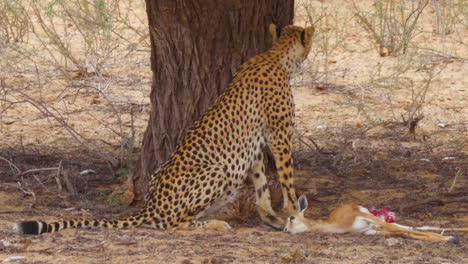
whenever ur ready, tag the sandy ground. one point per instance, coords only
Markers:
(350, 146)
(248, 242)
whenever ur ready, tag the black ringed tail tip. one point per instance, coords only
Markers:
(30, 227)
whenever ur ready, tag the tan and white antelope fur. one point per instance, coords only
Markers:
(352, 218)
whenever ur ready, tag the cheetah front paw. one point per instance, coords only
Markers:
(217, 225)
(270, 219)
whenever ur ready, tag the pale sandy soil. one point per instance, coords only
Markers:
(362, 156)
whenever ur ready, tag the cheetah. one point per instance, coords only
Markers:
(223, 148)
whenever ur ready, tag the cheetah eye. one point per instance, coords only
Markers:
(291, 218)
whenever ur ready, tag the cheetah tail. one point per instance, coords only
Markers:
(39, 227)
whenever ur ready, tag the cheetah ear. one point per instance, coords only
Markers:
(306, 36)
(275, 32)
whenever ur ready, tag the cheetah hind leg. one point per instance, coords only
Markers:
(263, 198)
(213, 224)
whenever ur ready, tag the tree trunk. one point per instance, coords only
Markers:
(196, 48)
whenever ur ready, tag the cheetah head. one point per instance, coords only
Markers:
(292, 42)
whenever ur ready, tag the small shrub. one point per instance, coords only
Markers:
(14, 24)
(391, 24)
(331, 30)
(423, 71)
(448, 13)
(92, 21)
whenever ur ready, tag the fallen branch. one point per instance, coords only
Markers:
(438, 200)
(27, 192)
(36, 170)
(14, 169)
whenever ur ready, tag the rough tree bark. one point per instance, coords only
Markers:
(196, 47)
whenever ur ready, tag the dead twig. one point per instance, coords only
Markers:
(411, 124)
(27, 192)
(130, 243)
(315, 146)
(36, 170)
(458, 175)
(68, 183)
(17, 172)
(39, 181)
(14, 169)
(57, 177)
